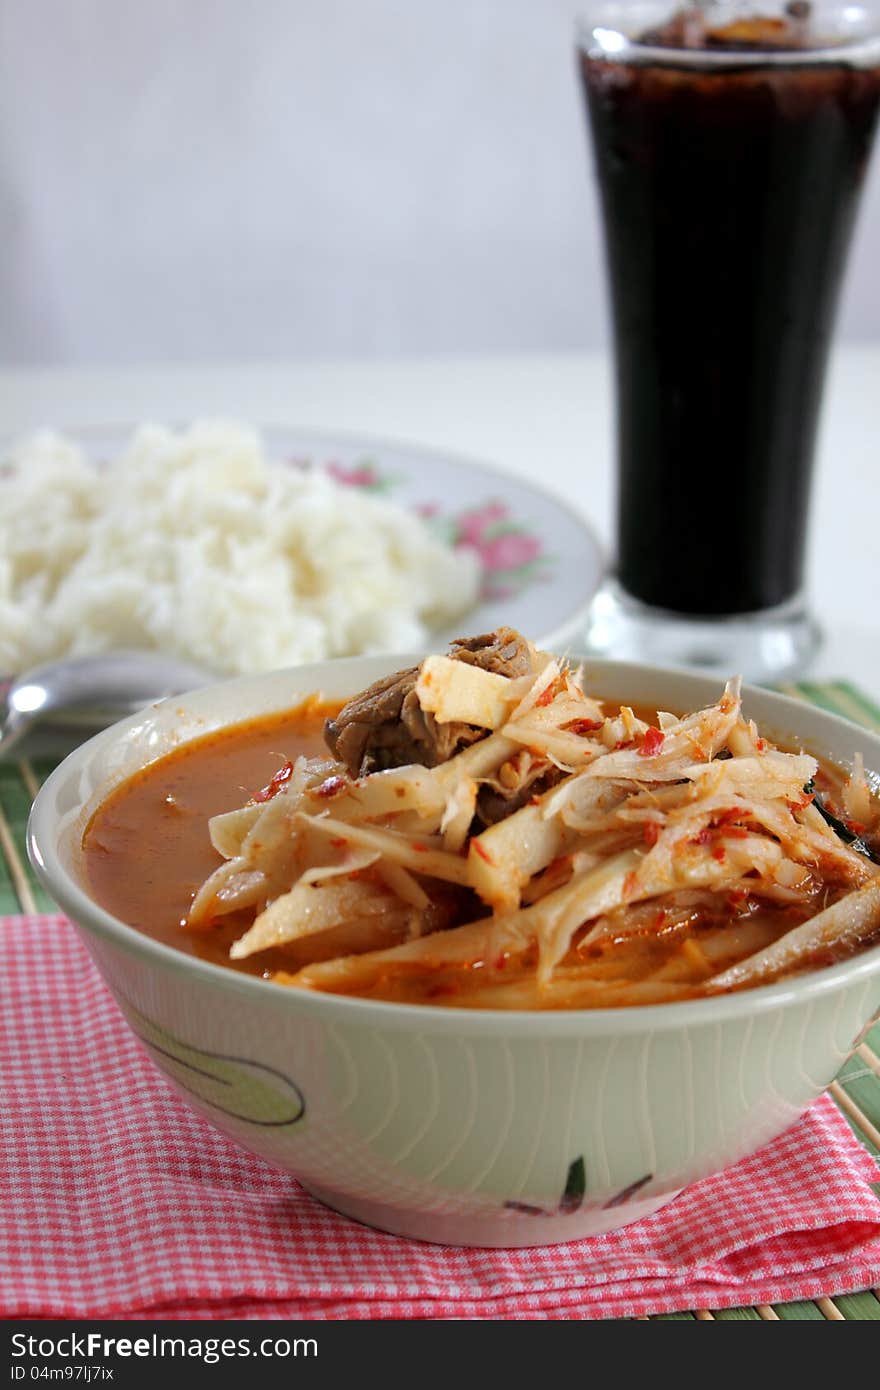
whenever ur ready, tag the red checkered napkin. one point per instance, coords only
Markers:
(117, 1201)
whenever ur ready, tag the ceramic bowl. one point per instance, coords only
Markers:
(454, 1125)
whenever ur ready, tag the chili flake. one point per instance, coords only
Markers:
(274, 785)
(332, 786)
(652, 742)
(582, 726)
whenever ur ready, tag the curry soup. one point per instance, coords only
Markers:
(148, 851)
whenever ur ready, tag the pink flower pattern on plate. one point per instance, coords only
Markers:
(474, 525)
(512, 557)
(363, 475)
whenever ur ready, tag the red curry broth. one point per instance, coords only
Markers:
(147, 847)
(148, 851)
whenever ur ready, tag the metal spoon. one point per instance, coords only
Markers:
(91, 692)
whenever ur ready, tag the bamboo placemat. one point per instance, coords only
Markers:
(856, 1089)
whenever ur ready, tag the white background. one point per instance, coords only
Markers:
(232, 180)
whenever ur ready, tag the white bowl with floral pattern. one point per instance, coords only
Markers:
(454, 1125)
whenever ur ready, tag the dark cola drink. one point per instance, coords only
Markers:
(729, 181)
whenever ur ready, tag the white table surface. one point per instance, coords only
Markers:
(548, 419)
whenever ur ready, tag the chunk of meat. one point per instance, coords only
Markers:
(385, 726)
(496, 802)
(505, 652)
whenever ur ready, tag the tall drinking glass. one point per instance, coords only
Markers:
(730, 147)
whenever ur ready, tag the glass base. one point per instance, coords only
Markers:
(774, 644)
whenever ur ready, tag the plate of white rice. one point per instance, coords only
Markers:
(246, 549)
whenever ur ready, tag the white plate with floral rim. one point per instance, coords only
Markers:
(541, 562)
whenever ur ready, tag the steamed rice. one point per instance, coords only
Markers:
(197, 543)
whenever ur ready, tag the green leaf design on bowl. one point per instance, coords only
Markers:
(236, 1086)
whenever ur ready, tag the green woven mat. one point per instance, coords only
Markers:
(856, 1090)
